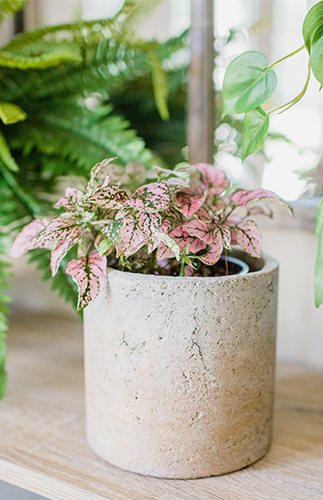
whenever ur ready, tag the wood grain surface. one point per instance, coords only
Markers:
(43, 447)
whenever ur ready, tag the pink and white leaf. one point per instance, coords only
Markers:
(97, 172)
(199, 229)
(60, 250)
(188, 201)
(72, 197)
(90, 275)
(105, 197)
(27, 239)
(149, 223)
(154, 242)
(215, 252)
(212, 177)
(249, 237)
(60, 229)
(226, 238)
(131, 235)
(169, 247)
(154, 197)
(242, 198)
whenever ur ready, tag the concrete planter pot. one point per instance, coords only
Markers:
(180, 371)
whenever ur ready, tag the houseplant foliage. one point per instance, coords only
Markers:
(54, 121)
(172, 225)
(250, 82)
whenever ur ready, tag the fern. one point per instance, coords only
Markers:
(62, 282)
(10, 7)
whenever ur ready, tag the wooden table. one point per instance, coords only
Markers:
(43, 447)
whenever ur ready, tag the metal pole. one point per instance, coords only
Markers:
(201, 94)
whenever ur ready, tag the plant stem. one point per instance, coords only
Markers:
(182, 268)
(286, 57)
(226, 262)
(296, 99)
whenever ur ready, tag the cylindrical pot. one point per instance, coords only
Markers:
(180, 371)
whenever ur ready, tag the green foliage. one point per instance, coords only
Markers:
(10, 7)
(11, 113)
(248, 83)
(62, 282)
(256, 124)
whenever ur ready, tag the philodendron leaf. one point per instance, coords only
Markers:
(247, 83)
(11, 113)
(316, 55)
(255, 130)
(318, 275)
(313, 38)
(312, 22)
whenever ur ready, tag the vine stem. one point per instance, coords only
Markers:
(298, 97)
(286, 57)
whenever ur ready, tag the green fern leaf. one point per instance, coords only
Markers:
(11, 60)
(10, 7)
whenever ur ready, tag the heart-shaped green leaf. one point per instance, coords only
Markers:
(247, 83)
(255, 130)
(312, 22)
(318, 275)
(11, 113)
(316, 54)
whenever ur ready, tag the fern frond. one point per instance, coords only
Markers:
(62, 282)
(82, 136)
(54, 58)
(5, 274)
(10, 7)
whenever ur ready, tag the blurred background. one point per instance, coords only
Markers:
(290, 164)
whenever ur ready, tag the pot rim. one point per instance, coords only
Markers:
(269, 265)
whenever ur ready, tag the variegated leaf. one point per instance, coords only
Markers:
(188, 201)
(112, 230)
(108, 197)
(95, 173)
(249, 237)
(226, 237)
(27, 239)
(168, 243)
(60, 229)
(154, 197)
(72, 197)
(149, 223)
(60, 250)
(215, 252)
(212, 177)
(90, 275)
(131, 235)
(242, 198)
(199, 229)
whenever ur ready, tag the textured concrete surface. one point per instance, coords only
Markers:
(180, 372)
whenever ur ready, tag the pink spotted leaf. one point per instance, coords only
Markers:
(90, 275)
(242, 198)
(131, 235)
(212, 177)
(60, 229)
(200, 229)
(226, 238)
(188, 201)
(154, 197)
(215, 252)
(72, 197)
(249, 237)
(27, 239)
(60, 250)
